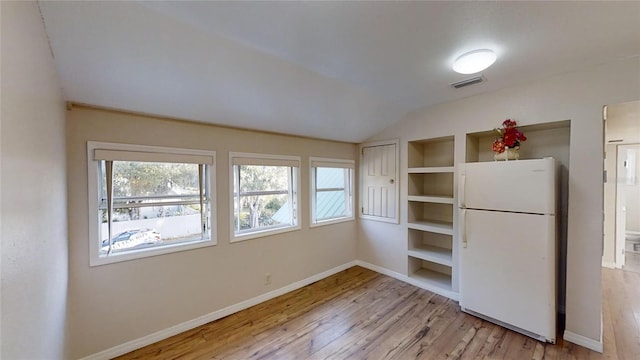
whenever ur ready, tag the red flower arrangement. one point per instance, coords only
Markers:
(510, 137)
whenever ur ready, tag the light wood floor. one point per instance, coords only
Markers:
(632, 261)
(360, 314)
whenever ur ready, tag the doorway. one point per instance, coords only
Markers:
(628, 206)
(621, 247)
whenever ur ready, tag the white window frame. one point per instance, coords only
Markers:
(315, 162)
(264, 159)
(94, 173)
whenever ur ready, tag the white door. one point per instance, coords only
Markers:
(507, 269)
(379, 183)
(524, 186)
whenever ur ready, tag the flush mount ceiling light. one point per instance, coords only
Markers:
(474, 61)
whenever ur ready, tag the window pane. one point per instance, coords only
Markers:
(139, 179)
(155, 204)
(148, 226)
(330, 204)
(332, 193)
(264, 201)
(263, 178)
(330, 178)
(261, 212)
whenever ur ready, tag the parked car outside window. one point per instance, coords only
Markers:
(132, 238)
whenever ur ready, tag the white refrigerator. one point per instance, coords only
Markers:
(508, 244)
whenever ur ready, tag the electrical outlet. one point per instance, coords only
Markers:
(267, 279)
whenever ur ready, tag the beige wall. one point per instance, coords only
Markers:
(33, 191)
(578, 96)
(115, 303)
(623, 122)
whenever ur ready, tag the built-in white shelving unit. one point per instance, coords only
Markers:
(430, 206)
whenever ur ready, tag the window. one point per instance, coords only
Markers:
(146, 201)
(331, 190)
(264, 195)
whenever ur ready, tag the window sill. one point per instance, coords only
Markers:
(331, 221)
(148, 252)
(262, 233)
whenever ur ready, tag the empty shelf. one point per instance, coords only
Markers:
(433, 169)
(434, 254)
(431, 198)
(432, 226)
(433, 278)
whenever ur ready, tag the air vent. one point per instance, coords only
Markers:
(467, 82)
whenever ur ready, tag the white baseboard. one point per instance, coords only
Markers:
(609, 264)
(381, 270)
(583, 341)
(188, 325)
(450, 294)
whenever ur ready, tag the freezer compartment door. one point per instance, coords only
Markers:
(508, 269)
(522, 186)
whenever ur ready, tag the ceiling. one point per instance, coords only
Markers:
(332, 70)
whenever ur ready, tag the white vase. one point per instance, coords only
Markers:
(507, 154)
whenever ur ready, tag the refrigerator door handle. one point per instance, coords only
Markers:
(463, 215)
(461, 188)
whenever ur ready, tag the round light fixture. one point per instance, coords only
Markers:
(474, 61)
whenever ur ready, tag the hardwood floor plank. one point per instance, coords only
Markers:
(360, 314)
(625, 325)
(611, 350)
(362, 328)
(370, 339)
(631, 281)
(431, 328)
(477, 342)
(449, 338)
(326, 322)
(346, 328)
(521, 348)
(497, 333)
(392, 343)
(461, 347)
(538, 353)
(299, 306)
(501, 348)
